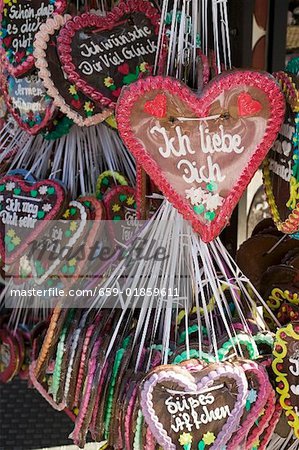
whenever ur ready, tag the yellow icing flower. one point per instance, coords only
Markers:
(108, 81)
(143, 67)
(209, 438)
(73, 226)
(130, 201)
(88, 107)
(115, 207)
(72, 262)
(66, 214)
(185, 439)
(16, 240)
(11, 233)
(73, 90)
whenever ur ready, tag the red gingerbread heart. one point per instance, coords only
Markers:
(157, 107)
(201, 154)
(247, 105)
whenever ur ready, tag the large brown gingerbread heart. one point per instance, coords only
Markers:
(202, 152)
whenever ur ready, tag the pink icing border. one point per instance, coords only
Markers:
(271, 427)
(222, 370)
(200, 106)
(258, 430)
(40, 45)
(26, 66)
(264, 391)
(105, 23)
(26, 187)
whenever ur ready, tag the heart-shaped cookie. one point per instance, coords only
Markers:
(29, 103)
(20, 21)
(259, 389)
(120, 207)
(67, 97)
(59, 238)
(286, 368)
(194, 410)
(281, 167)
(201, 152)
(25, 209)
(103, 54)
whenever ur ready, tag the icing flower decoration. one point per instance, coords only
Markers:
(47, 207)
(209, 438)
(88, 107)
(72, 262)
(144, 67)
(185, 439)
(115, 207)
(16, 240)
(108, 81)
(10, 186)
(11, 233)
(252, 396)
(43, 190)
(130, 201)
(73, 90)
(73, 226)
(66, 214)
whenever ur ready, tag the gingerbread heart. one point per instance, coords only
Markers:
(66, 96)
(52, 250)
(25, 209)
(204, 152)
(193, 410)
(120, 206)
(281, 167)
(20, 21)
(100, 55)
(28, 102)
(286, 368)
(259, 389)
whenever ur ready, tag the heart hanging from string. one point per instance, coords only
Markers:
(28, 102)
(25, 209)
(202, 152)
(281, 167)
(175, 402)
(20, 20)
(66, 96)
(100, 55)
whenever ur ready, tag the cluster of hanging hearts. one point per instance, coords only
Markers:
(57, 65)
(202, 402)
(273, 269)
(201, 151)
(40, 212)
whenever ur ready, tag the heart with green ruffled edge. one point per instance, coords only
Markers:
(56, 247)
(202, 152)
(25, 211)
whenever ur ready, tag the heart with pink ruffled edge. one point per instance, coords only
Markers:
(202, 172)
(101, 69)
(16, 30)
(256, 400)
(176, 383)
(71, 102)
